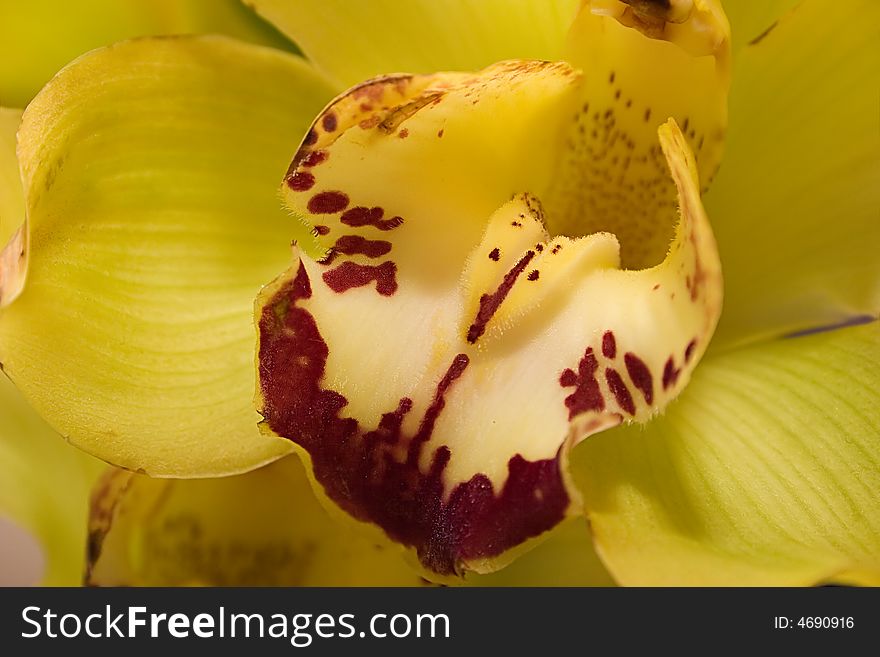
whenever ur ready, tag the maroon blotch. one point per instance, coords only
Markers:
(689, 350)
(534, 275)
(609, 345)
(670, 373)
(640, 375)
(361, 216)
(355, 244)
(489, 303)
(329, 122)
(328, 202)
(350, 275)
(315, 158)
(301, 181)
(494, 254)
(587, 396)
(620, 391)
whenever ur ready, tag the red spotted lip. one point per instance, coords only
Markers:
(357, 466)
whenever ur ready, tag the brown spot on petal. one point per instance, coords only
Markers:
(689, 350)
(315, 158)
(587, 396)
(350, 275)
(620, 391)
(640, 375)
(329, 122)
(363, 216)
(328, 203)
(301, 181)
(609, 345)
(489, 303)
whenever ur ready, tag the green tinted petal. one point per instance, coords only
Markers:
(766, 471)
(263, 528)
(44, 487)
(796, 203)
(750, 20)
(11, 196)
(41, 36)
(352, 41)
(151, 171)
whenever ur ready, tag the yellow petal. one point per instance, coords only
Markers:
(263, 528)
(796, 204)
(439, 360)
(353, 41)
(642, 65)
(150, 172)
(11, 195)
(765, 472)
(752, 21)
(44, 488)
(41, 36)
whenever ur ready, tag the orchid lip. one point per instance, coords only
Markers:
(463, 297)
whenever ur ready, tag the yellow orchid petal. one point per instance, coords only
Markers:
(765, 472)
(44, 488)
(796, 203)
(642, 65)
(263, 528)
(150, 172)
(11, 195)
(752, 21)
(13, 261)
(353, 41)
(41, 36)
(384, 359)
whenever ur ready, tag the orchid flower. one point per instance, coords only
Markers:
(485, 304)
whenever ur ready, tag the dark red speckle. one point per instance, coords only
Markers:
(403, 134)
(329, 122)
(670, 373)
(301, 181)
(489, 303)
(689, 350)
(315, 158)
(609, 345)
(587, 396)
(494, 254)
(322, 230)
(350, 275)
(361, 216)
(534, 275)
(620, 391)
(311, 138)
(328, 203)
(360, 470)
(358, 245)
(640, 375)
